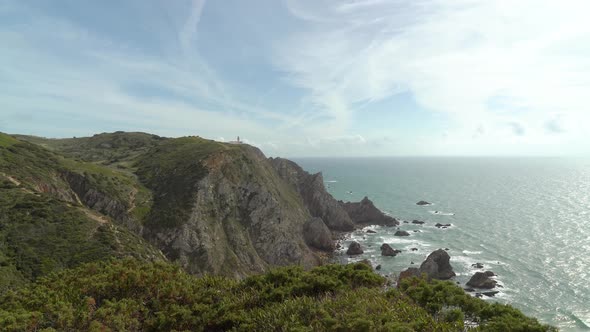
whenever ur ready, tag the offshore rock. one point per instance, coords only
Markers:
(401, 233)
(482, 280)
(366, 213)
(436, 266)
(387, 250)
(354, 249)
(423, 203)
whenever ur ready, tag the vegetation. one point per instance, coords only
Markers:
(40, 234)
(172, 170)
(130, 295)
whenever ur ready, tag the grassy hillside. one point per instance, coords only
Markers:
(40, 234)
(44, 224)
(116, 149)
(129, 295)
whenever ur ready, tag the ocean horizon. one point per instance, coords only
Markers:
(524, 218)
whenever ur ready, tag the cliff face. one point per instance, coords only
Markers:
(236, 216)
(214, 208)
(311, 188)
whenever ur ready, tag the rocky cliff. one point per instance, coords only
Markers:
(214, 208)
(311, 188)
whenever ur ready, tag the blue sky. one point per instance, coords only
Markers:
(304, 78)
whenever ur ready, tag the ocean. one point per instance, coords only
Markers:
(525, 219)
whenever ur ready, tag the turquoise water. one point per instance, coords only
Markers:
(528, 220)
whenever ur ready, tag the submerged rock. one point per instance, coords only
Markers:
(490, 294)
(477, 265)
(482, 280)
(439, 225)
(401, 233)
(418, 222)
(423, 203)
(378, 267)
(370, 231)
(354, 248)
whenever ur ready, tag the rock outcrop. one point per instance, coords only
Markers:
(387, 250)
(482, 280)
(317, 235)
(366, 213)
(401, 233)
(228, 213)
(313, 192)
(436, 266)
(354, 249)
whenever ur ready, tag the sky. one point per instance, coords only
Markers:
(305, 78)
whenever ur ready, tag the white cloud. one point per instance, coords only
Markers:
(453, 56)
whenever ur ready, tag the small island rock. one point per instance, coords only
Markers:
(401, 233)
(354, 248)
(482, 280)
(423, 203)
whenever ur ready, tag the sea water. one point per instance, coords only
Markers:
(525, 219)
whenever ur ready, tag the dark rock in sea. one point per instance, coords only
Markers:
(414, 249)
(447, 249)
(317, 234)
(436, 266)
(478, 295)
(354, 248)
(366, 213)
(378, 267)
(482, 280)
(445, 227)
(439, 225)
(387, 250)
(490, 294)
(401, 233)
(416, 231)
(405, 221)
(423, 203)
(411, 262)
(477, 265)
(370, 231)
(418, 222)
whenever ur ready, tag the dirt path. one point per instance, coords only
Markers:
(95, 216)
(132, 196)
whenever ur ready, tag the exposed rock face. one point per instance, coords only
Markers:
(482, 280)
(315, 197)
(365, 213)
(354, 248)
(401, 233)
(387, 250)
(241, 219)
(436, 266)
(99, 201)
(317, 234)
(423, 203)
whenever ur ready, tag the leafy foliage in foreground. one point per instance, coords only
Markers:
(131, 295)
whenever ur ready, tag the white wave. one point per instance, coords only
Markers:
(441, 213)
(331, 181)
(467, 252)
